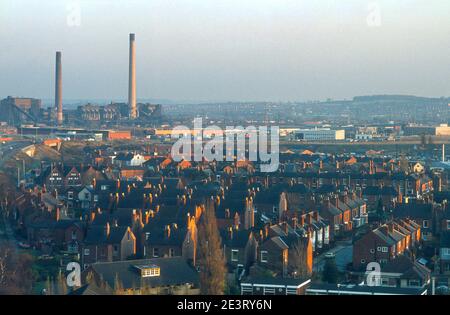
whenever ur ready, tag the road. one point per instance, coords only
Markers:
(343, 252)
(9, 149)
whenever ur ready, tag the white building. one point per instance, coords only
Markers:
(443, 130)
(322, 134)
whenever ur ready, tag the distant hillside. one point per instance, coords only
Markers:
(406, 98)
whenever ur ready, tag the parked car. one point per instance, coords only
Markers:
(330, 255)
(24, 245)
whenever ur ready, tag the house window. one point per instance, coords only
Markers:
(234, 255)
(116, 249)
(86, 196)
(363, 261)
(448, 224)
(379, 248)
(86, 252)
(150, 272)
(74, 235)
(425, 223)
(147, 235)
(70, 195)
(171, 252)
(155, 252)
(269, 291)
(372, 250)
(264, 256)
(384, 249)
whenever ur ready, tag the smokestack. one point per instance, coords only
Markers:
(58, 89)
(132, 80)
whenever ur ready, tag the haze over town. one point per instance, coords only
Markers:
(246, 50)
(193, 147)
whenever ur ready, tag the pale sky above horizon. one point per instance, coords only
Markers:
(220, 50)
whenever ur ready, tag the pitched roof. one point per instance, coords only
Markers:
(97, 235)
(239, 238)
(157, 235)
(408, 268)
(91, 289)
(414, 210)
(173, 271)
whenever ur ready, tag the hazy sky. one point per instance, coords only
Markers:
(226, 49)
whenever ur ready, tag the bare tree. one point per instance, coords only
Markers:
(15, 271)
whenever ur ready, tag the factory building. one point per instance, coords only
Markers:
(319, 134)
(14, 110)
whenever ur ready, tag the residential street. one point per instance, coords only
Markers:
(343, 251)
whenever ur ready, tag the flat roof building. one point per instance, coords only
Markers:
(322, 134)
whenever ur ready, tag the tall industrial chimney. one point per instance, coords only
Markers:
(58, 89)
(132, 80)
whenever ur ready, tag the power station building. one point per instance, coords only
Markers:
(14, 110)
(17, 111)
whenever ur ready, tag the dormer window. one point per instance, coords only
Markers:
(264, 256)
(234, 254)
(149, 271)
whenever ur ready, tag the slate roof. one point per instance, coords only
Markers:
(91, 289)
(157, 235)
(173, 271)
(364, 289)
(331, 209)
(279, 242)
(325, 189)
(121, 216)
(377, 191)
(124, 157)
(96, 235)
(239, 239)
(408, 268)
(384, 237)
(414, 211)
